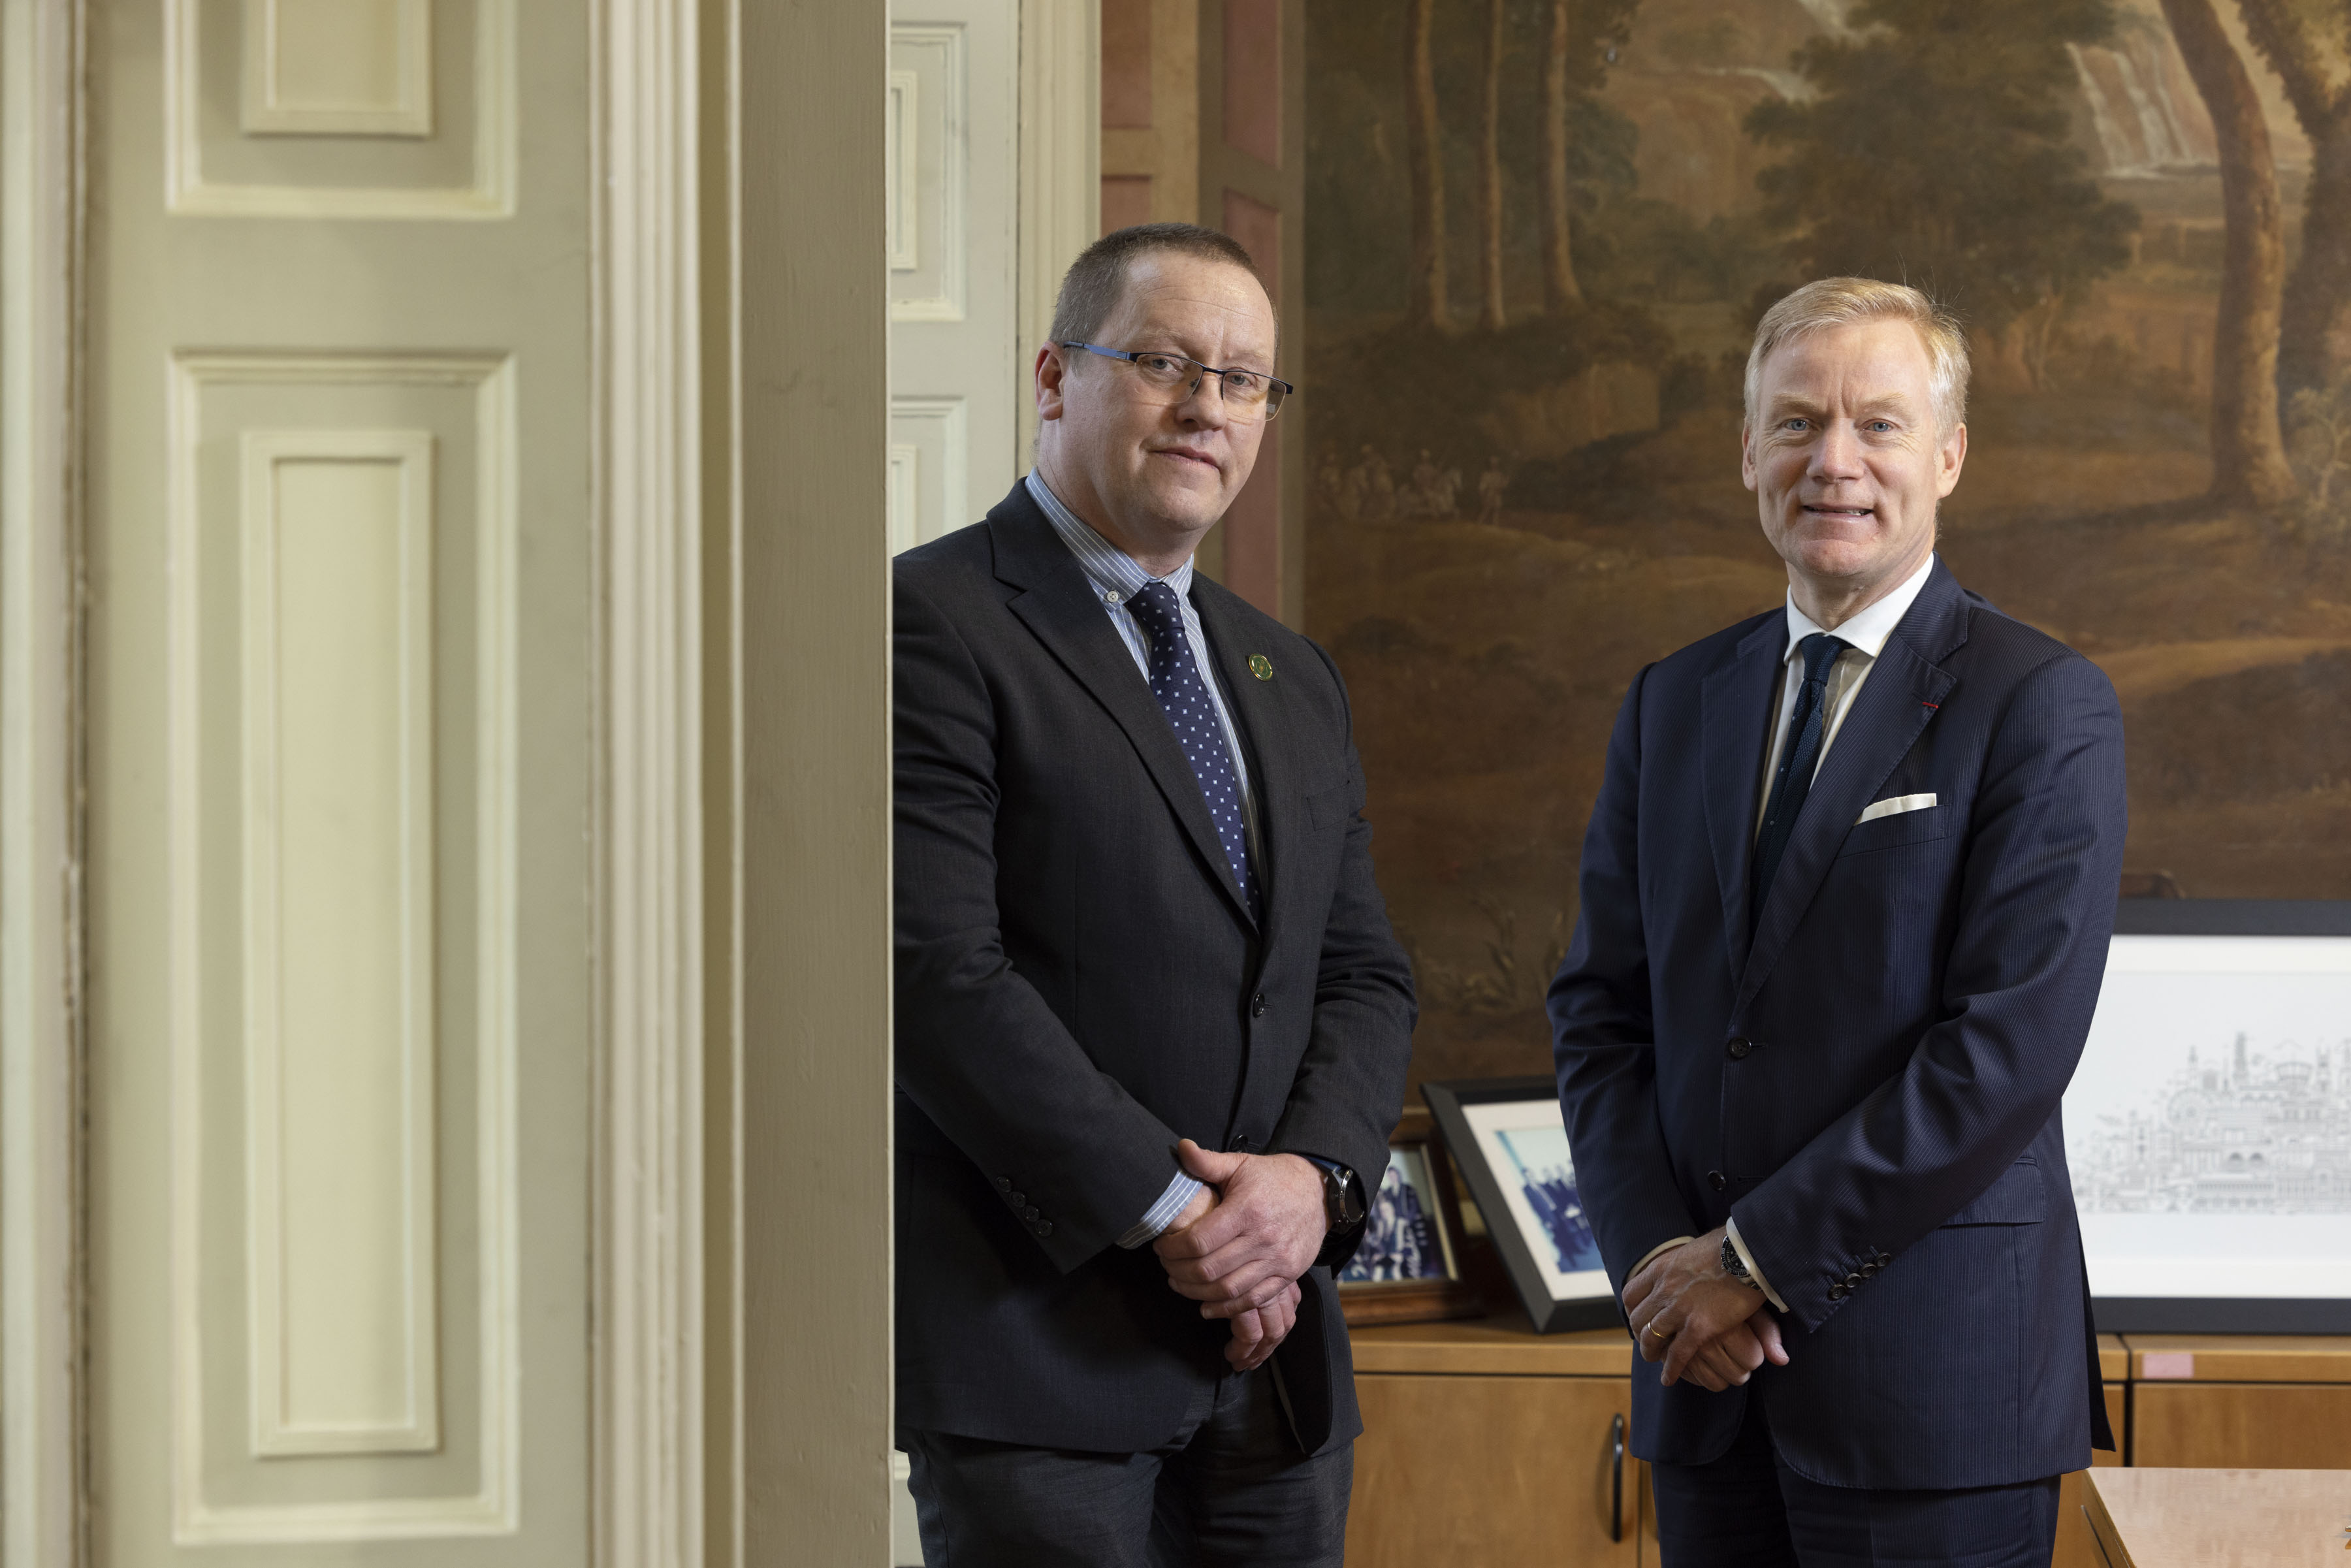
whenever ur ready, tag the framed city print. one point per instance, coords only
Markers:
(1511, 1142)
(1409, 1268)
(2208, 1128)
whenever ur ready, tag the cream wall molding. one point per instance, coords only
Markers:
(1060, 162)
(340, 1228)
(493, 1508)
(274, 105)
(492, 195)
(42, 1458)
(649, 1301)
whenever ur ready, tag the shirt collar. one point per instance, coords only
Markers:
(1869, 631)
(1115, 575)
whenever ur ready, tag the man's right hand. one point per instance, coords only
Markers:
(1703, 1324)
(1255, 1332)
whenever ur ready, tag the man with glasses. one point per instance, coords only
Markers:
(1152, 1023)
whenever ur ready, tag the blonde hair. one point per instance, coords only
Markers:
(1851, 301)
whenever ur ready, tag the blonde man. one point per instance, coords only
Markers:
(1846, 898)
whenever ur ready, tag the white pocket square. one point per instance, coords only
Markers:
(1894, 807)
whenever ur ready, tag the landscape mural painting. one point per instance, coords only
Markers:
(1541, 233)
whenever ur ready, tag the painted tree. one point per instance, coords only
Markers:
(2249, 464)
(1583, 36)
(1492, 313)
(2293, 36)
(1425, 151)
(1937, 152)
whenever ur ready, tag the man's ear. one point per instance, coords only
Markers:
(1051, 370)
(1747, 455)
(1949, 458)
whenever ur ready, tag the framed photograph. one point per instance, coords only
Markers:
(2208, 1126)
(1508, 1137)
(1408, 1269)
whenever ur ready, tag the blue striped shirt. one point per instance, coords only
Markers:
(1115, 578)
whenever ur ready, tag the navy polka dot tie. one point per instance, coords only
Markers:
(1184, 698)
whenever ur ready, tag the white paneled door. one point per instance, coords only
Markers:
(956, 371)
(339, 701)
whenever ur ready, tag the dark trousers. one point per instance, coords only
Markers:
(1230, 1488)
(1749, 1509)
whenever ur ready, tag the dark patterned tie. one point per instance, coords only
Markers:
(1799, 759)
(1184, 698)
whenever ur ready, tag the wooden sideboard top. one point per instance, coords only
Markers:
(2220, 1518)
(1502, 1344)
(2238, 1358)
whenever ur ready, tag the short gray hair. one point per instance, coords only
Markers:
(1851, 301)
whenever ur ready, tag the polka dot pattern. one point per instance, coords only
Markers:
(1184, 698)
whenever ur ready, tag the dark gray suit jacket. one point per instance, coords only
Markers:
(1871, 1086)
(1080, 984)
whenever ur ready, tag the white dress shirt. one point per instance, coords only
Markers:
(1115, 578)
(1866, 634)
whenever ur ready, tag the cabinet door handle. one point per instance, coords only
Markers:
(1617, 1484)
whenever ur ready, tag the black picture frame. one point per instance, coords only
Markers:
(2240, 1314)
(1450, 1103)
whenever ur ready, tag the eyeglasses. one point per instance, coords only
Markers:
(1247, 394)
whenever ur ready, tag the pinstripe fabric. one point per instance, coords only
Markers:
(1868, 1087)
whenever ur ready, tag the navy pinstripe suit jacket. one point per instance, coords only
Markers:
(1914, 1000)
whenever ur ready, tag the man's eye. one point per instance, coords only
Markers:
(1796, 425)
(1243, 381)
(1881, 425)
(1155, 363)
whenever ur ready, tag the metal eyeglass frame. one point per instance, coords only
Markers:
(1276, 388)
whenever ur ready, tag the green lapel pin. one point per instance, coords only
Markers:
(1261, 667)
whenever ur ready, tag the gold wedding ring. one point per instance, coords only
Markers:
(1658, 1331)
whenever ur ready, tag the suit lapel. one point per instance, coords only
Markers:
(1058, 606)
(1737, 703)
(1905, 688)
(1257, 710)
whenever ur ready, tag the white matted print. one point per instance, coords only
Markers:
(2209, 1125)
(1524, 1144)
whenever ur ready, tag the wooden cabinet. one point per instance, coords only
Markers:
(2076, 1546)
(1484, 1443)
(2212, 1401)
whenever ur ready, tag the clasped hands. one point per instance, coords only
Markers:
(1702, 1324)
(1239, 1246)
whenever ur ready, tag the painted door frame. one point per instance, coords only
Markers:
(743, 1270)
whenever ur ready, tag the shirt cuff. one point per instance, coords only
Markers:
(1754, 1274)
(1660, 1247)
(1172, 1202)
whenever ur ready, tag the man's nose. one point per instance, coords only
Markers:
(1837, 455)
(1204, 405)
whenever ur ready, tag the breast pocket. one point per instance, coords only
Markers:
(1917, 827)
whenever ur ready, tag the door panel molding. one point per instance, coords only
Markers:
(494, 1507)
(495, 88)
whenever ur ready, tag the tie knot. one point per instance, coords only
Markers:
(1156, 602)
(1821, 651)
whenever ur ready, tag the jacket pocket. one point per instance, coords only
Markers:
(1901, 828)
(2016, 1197)
(1329, 805)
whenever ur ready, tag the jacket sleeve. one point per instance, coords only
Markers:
(1349, 1089)
(2035, 914)
(977, 1048)
(1604, 1043)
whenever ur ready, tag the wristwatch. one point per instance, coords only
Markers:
(1342, 1196)
(1736, 1266)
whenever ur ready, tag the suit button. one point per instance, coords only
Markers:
(1029, 1213)
(1884, 1259)
(1044, 1228)
(1019, 1199)
(1716, 1180)
(1240, 1144)
(1869, 1270)
(1257, 1006)
(1853, 1281)
(1836, 1292)
(1004, 1184)
(1739, 1047)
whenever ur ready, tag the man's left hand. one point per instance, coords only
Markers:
(1701, 1322)
(1264, 1232)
